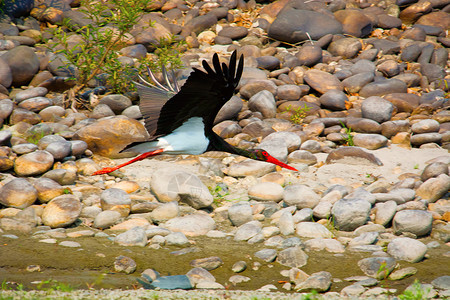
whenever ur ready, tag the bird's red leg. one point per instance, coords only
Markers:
(140, 157)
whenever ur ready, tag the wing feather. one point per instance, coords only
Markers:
(203, 94)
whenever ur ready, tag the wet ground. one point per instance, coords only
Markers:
(91, 266)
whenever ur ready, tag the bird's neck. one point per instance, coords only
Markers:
(219, 144)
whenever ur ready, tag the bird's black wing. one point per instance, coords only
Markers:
(203, 94)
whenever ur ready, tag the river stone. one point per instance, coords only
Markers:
(22, 115)
(268, 62)
(18, 193)
(172, 184)
(291, 25)
(30, 93)
(33, 163)
(289, 92)
(106, 219)
(408, 249)
(48, 189)
(59, 150)
(425, 126)
(345, 47)
(312, 146)
(109, 136)
(333, 100)
(322, 81)
(267, 255)
(116, 199)
(124, 264)
(434, 170)
(253, 86)
(23, 63)
(383, 87)
(6, 76)
(6, 108)
(434, 188)
(391, 128)
(354, 22)
(240, 213)
(385, 212)
(309, 55)
(291, 139)
(62, 176)
(229, 110)
(293, 257)
(417, 222)
(133, 237)
(249, 167)
(403, 102)
(352, 155)
(199, 274)
(425, 138)
(176, 239)
(301, 196)
(366, 238)
(312, 230)
(263, 102)
(48, 139)
(36, 104)
(442, 282)
(199, 24)
(165, 211)
(191, 225)
(320, 282)
(102, 111)
(247, 231)
(286, 223)
(61, 211)
(302, 156)
(363, 125)
(266, 191)
(370, 141)
(377, 267)
(349, 214)
(402, 273)
(322, 210)
(353, 84)
(207, 263)
(116, 102)
(377, 109)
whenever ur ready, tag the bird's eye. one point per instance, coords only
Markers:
(265, 153)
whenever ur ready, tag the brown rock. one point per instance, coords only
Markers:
(354, 22)
(33, 163)
(61, 211)
(48, 189)
(352, 155)
(109, 136)
(322, 81)
(18, 193)
(438, 19)
(403, 139)
(413, 12)
(403, 101)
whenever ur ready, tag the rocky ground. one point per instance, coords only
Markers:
(352, 94)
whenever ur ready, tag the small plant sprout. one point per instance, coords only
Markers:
(348, 137)
(298, 114)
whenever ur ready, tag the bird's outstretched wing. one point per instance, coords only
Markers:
(203, 94)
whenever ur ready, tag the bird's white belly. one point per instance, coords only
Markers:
(187, 139)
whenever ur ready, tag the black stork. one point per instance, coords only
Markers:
(180, 120)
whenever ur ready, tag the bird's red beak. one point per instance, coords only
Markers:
(275, 161)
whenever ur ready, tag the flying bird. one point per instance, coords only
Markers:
(180, 120)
